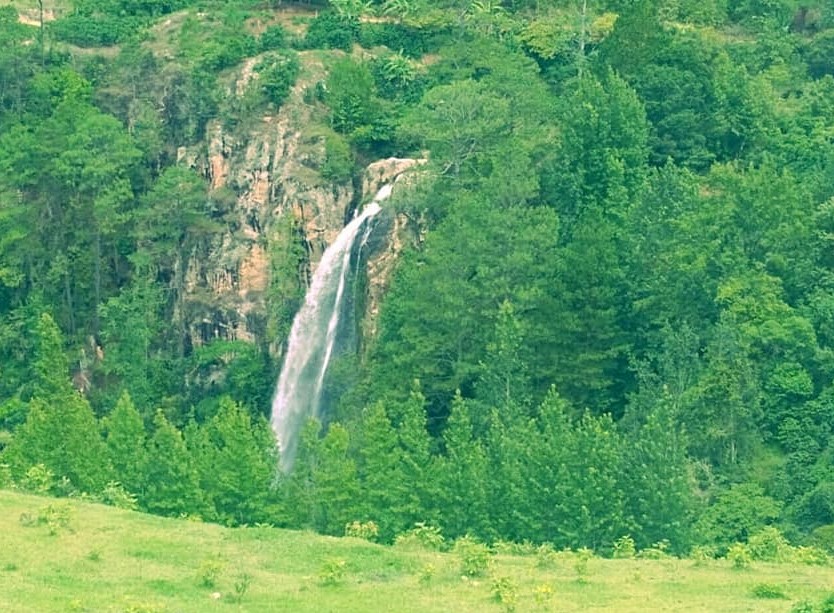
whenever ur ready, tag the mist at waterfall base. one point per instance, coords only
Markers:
(315, 334)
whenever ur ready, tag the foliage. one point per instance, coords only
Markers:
(474, 557)
(768, 590)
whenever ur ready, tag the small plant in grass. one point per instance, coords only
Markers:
(804, 606)
(56, 517)
(421, 536)
(546, 556)
(739, 556)
(580, 564)
(367, 530)
(242, 584)
(117, 496)
(624, 548)
(9, 566)
(768, 590)
(658, 551)
(701, 554)
(474, 557)
(94, 555)
(209, 572)
(332, 572)
(427, 573)
(505, 593)
(543, 594)
(827, 604)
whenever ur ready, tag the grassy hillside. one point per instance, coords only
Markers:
(60, 555)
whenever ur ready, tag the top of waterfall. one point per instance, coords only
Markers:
(383, 193)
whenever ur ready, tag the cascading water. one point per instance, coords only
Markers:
(313, 336)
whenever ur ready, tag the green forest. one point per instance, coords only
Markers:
(613, 315)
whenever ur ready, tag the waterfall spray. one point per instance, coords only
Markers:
(313, 336)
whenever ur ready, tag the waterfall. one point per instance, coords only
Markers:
(313, 336)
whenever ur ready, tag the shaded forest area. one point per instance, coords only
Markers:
(618, 319)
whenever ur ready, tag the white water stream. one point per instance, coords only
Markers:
(313, 336)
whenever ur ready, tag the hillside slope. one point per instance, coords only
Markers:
(106, 559)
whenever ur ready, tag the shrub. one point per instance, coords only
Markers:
(242, 586)
(543, 594)
(368, 530)
(56, 517)
(657, 551)
(338, 161)
(274, 37)
(624, 547)
(209, 572)
(38, 479)
(332, 572)
(505, 593)
(474, 557)
(769, 545)
(117, 496)
(427, 573)
(739, 556)
(768, 590)
(329, 30)
(812, 556)
(276, 76)
(421, 535)
(546, 556)
(804, 606)
(580, 564)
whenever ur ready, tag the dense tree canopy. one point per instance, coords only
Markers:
(612, 313)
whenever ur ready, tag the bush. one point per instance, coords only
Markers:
(338, 161)
(329, 30)
(474, 557)
(812, 556)
(505, 593)
(276, 76)
(546, 556)
(368, 530)
(624, 548)
(117, 496)
(768, 590)
(408, 40)
(38, 479)
(274, 37)
(739, 556)
(769, 545)
(209, 572)
(332, 572)
(422, 536)
(95, 31)
(581, 562)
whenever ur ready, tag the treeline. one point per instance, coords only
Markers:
(542, 478)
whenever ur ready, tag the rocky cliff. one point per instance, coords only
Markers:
(271, 171)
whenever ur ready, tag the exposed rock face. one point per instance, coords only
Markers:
(270, 172)
(395, 231)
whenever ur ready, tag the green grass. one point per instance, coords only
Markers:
(109, 560)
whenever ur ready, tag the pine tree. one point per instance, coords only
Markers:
(382, 482)
(60, 431)
(126, 443)
(172, 484)
(462, 475)
(238, 465)
(420, 485)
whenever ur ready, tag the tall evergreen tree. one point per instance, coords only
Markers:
(172, 484)
(126, 442)
(238, 466)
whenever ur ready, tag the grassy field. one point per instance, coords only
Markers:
(60, 555)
